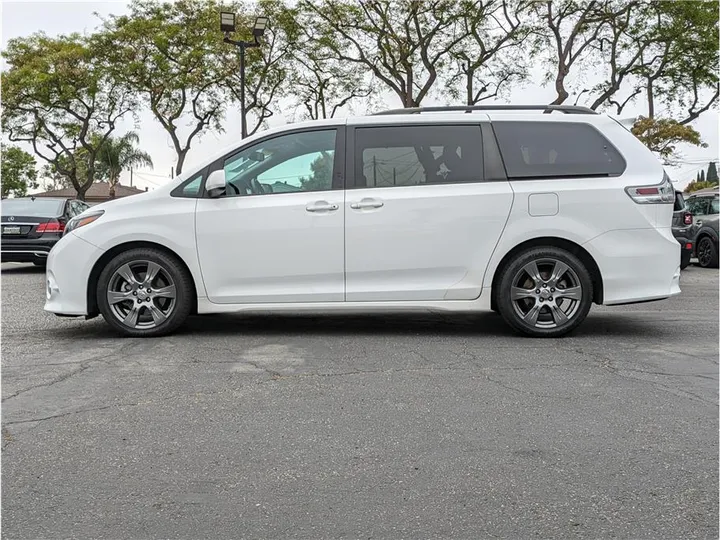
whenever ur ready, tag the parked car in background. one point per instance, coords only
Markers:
(683, 229)
(31, 226)
(705, 207)
(535, 216)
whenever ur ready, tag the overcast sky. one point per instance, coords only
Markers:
(26, 17)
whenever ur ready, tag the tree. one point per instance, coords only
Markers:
(18, 171)
(662, 136)
(118, 154)
(569, 31)
(490, 57)
(172, 55)
(269, 66)
(680, 63)
(405, 44)
(321, 177)
(51, 179)
(320, 83)
(712, 175)
(60, 97)
(702, 176)
(696, 186)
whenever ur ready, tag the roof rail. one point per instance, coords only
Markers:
(567, 109)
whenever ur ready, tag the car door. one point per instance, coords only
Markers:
(421, 221)
(277, 233)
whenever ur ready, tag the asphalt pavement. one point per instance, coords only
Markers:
(413, 426)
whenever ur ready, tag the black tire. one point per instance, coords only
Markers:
(707, 253)
(556, 315)
(685, 257)
(171, 268)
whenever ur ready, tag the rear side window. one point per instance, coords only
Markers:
(417, 155)
(532, 150)
(698, 206)
(679, 202)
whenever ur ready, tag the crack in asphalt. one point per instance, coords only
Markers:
(84, 365)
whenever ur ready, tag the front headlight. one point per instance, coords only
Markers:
(82, 220)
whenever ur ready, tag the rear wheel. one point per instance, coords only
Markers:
(707, 253)
(544, 292)
(144, 292)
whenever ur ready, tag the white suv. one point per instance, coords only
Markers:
(532, 215)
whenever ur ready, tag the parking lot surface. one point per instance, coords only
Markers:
(361, 427)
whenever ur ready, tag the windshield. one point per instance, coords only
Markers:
(29, 207)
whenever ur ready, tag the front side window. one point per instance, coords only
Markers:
(289, 163)
(715, 206)
(417, 155)
(556, 150)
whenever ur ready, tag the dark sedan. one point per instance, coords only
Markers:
(32, 225)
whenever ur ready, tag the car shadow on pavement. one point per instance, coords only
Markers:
(20, 268)
(481, 324)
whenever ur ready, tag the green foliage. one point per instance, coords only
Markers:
(171, 54)
(698, 185)
(712, 175)
(59, 96)
(702, 176)
(321, 178)
(118, 154)
(18, 172)
(662, 136)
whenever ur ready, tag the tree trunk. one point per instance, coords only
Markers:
(181, 159)
(651, 99)
(470, 73)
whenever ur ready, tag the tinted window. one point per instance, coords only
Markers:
(714, 206)
(679, 202)
(554, 149)
(417, 155)
(289, 163)
(698, 205)
(29, 207)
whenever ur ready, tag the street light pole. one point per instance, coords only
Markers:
(227, 25)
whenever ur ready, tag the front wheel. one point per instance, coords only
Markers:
(544, 292)
(144, 292)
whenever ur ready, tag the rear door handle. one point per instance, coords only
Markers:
(367, 203)
(321, 206)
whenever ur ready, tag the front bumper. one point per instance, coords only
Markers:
(68, 271)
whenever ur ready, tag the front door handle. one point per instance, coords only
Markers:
(367, 203)
(321, 206)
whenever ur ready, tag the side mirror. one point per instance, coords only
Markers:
(215, 184)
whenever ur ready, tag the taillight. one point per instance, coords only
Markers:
(662, 193)
(52, 226)
(688, 246)
(687, 218)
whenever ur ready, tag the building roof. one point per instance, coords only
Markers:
(99, 190)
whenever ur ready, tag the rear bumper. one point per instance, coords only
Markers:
(27, 249)
(637, 265)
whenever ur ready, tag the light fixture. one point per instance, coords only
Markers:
(260, 25)
(227, 21)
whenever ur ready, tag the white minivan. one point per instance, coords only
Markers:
(534, 212)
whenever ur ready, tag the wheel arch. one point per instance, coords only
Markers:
(92, 306)
(552, 241)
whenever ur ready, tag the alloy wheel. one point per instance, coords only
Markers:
(704, 252)
(546, 293)
(141, 294)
